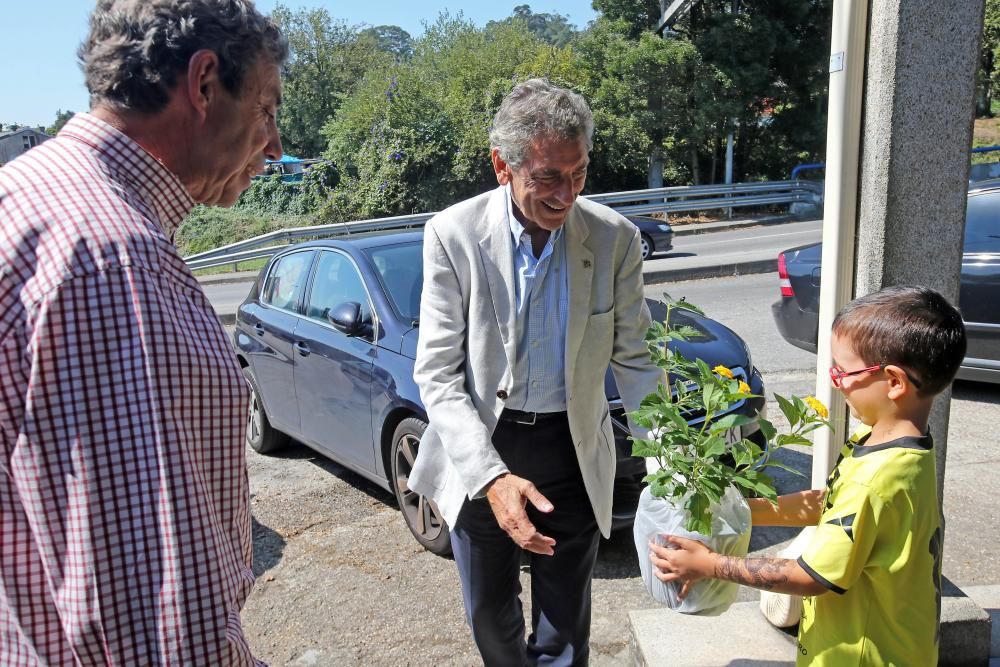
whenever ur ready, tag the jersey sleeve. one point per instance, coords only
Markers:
(844, 539)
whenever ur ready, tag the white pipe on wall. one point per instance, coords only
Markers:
(843, 150)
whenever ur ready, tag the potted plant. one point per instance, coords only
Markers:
(704, 467)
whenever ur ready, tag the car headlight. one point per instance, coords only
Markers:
(663, 228)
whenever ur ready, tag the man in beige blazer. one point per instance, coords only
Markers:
(529, 293)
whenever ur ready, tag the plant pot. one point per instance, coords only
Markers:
(657, 517)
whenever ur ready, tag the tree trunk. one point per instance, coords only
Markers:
(695, 176)
(984, 92)
(655, 179)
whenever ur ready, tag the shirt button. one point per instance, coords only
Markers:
(502, 395)
(535, 384)
(534, 343)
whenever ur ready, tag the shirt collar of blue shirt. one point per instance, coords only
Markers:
(517, 230)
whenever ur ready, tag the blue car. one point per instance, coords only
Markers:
(327, 339)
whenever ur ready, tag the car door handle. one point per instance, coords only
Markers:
(301, 348)
(259, 328)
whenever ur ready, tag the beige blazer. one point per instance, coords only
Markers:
(465, 351)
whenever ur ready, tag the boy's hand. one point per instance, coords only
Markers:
(683, 560)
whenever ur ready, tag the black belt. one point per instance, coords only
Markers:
(528, 418)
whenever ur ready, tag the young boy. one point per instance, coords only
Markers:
(872, 571)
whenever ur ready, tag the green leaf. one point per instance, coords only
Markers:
(730, 421)
(645, 448)
(710, 396)
(782, 466)
(688, 306)
(714, 446)
(767, 429)
(765, 490)
(787, 408)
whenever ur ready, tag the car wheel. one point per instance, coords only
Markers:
(422, 516)
(261, 436)
(646, 244)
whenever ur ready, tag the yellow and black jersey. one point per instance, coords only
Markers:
(878, 549)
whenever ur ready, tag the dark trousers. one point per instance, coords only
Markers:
(489, 561)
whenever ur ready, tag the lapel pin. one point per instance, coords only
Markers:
(586, 263)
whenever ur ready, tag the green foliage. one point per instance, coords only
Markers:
(697, 462)
(554, 29)
(210, 227)
(327, 58)
(62, 117)
(653, 99)
(271, 196)
(405, 121)
(391, 39)
(414, 136)
(774, 57)
(987, 73)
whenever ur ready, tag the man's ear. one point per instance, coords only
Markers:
(501, 168)
(203, 85)
(899, 384)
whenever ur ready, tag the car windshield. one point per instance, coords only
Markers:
(401, 272)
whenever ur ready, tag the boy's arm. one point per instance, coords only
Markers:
(689, 561)
(794, 509)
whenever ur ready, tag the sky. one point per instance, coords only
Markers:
(39, 73)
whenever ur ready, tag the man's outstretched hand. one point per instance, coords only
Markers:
(508, 496)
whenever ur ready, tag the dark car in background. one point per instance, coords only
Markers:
(797, 312)
(656, 234)
(327, 339)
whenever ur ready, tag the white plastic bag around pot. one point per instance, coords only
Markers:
(656, 517)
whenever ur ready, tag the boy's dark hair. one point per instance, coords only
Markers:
(909, 326)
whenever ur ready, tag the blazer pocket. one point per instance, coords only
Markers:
(599, 335)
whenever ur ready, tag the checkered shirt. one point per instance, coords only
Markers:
(124, 502)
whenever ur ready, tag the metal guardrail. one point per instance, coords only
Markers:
(633, 202)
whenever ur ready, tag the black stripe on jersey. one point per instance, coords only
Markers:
(820, 579)
(845, 522)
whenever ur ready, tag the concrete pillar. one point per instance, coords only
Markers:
(918, 116)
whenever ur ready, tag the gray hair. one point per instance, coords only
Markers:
(136, 48)
(538, 108)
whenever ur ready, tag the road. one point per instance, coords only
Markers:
(342, 582)
(698, 252)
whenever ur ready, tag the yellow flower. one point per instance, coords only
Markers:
(743, 388)
(818, 406)
(723, 371)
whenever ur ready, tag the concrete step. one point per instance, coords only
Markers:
(988, 597)
(742, 636)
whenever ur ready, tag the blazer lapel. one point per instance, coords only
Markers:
(496, 253)
(580, 267)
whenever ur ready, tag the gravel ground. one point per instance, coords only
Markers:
(342, 582)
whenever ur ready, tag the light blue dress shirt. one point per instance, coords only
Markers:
(542, 306)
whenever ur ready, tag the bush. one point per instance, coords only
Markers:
(209, 227)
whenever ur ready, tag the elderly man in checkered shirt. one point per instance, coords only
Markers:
(124, 506)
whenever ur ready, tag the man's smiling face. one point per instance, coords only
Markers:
(547, 182)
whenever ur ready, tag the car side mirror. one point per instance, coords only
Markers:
(346, 318)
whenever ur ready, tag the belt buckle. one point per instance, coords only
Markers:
(524, 421)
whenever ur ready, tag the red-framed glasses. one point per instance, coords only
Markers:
(837, 376)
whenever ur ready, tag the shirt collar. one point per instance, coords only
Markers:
(516, 229)
(158, 188)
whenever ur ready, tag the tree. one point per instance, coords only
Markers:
(639, 15)
(414, 135)
(773, 56)
(988, 55)
(391, 39)
(554, 29)
(327, 59)
(61, 119)
(654, 100)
